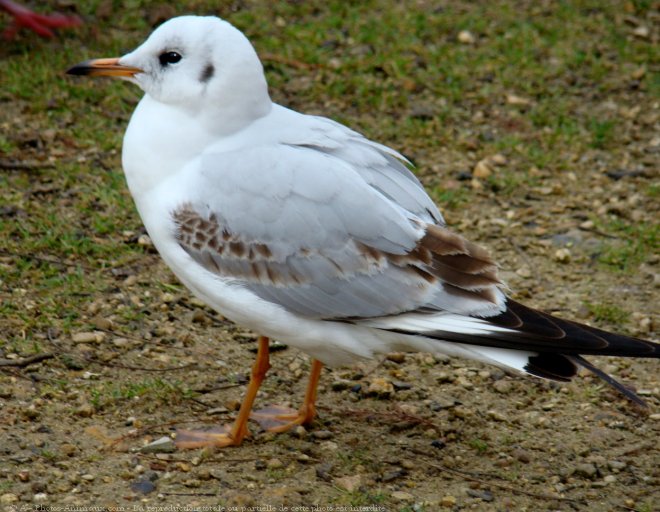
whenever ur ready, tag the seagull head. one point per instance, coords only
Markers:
(194, 63)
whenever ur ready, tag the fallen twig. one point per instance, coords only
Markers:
(25, 361)
(24, 165)
(44, 259)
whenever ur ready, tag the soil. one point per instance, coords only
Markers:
(408, 432)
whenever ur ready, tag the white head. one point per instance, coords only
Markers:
(195, 63)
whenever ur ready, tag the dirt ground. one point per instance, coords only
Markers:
(103, 352)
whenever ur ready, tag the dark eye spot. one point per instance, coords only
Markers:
(207, 73)
(166, 58)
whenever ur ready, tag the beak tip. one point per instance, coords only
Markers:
(78, 69)
(103, 67)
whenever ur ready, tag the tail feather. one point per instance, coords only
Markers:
(540, 331)
(629, 394)
(555, 346)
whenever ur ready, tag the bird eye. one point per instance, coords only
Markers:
(166, 58)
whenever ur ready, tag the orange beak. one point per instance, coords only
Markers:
(103, 67)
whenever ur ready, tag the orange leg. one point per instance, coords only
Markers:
(231, 435)
(281, 419)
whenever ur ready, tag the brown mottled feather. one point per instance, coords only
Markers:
(465, 269)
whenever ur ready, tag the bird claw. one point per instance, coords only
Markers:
(277, 418)
(217, 437)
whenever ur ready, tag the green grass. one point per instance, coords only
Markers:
(479, 445)
(633, 244)
(104, 394)
(608, 313)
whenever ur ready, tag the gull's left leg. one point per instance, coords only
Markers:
(280, 419)
(231, 435)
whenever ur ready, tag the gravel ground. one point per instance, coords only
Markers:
(103, 352)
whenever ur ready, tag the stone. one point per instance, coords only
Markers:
(402, 496)
(482, 170)
(162, 445)
(563, 255)
(496, 415)
(586, 470)
(8, 498)
(322, 434)
(521, 455)
(466, 37)
(348, 483)
(513, 99)
(382, 388)
(396, 357)
(85, 410)
(40, 497)
(274, 463)
(448, 501)
(498, 159)
(88, 337)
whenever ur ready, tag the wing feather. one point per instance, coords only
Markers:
(319, 240)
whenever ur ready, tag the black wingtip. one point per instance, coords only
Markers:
(552, 366)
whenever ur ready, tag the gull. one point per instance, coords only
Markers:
(305, 231)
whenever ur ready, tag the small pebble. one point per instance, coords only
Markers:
(164, 444)
(496, 415)
(40, 497)
(88, 476)
(402, 496)
(303, 457)
(274, 463)
(382, 388)
(586, 470)
(482, 170)
(143, 486)
(341, 385)
(524, 272)
(563, 255)
(348, 483)
(85, 410)
(448, 501)
(462, 412)
(513, 99)
(144, 241)
(88, 337)
(616, 465)
(396, 357)
(68, 449)
(521, 455)
(503, 386)
(8, 498)
(466, 37)
(498, 159)
(483, 495)
(322, 434)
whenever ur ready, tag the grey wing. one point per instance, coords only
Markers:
(380, 166)
(301, 228)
